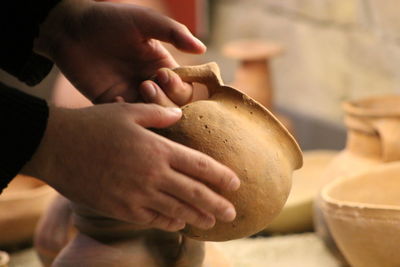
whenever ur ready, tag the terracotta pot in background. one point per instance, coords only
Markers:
(253, 74)
(296, 215)
(363, 214)
(373, 138)
(21, 205)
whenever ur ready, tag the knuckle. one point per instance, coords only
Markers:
(178, 210)
(224, 180)
(196, 193)
(202, 164)
(157, 112)
(140, 216)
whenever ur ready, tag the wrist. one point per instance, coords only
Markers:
(42, 160)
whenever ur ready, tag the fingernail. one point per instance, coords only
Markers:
(229, 214)
(163, 76)
(148, 91)
(179, 224)
(234, 184)
(200, 43)
(175, 110)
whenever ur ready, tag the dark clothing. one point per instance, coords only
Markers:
(23, 118)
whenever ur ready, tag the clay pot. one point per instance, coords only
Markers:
(21, 205)
(4, 259)
(103, 241)
(54, 230)
(372, 139)
(296, 215)
(150, 249)
(240, 133)
(253, 74)
(363, 214)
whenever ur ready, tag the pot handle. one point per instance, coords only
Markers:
(207, 74)
(389, 131)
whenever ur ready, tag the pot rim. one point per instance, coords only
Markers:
(361, 107)
(297, 153)
(361, 206)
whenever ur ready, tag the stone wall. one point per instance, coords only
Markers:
(335, 49)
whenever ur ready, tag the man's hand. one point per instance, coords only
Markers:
(104, 157)
(108, 49)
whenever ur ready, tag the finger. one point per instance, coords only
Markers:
(152, 93)
(151, 218)
(198, 195)
(155, 116)
(172, 208)
(160, 27)
(178, 91)
(204, 168)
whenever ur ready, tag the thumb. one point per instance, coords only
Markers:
(155, 116)
(157, 26)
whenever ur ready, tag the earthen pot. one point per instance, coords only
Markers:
(102, 241)
(151, 248)
(373, 138)
(21, 205)
(296, 215)
(4, 259)
(363, 214)
(54, 230)
(253, 74)
(237, 131)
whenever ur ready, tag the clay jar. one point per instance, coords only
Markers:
(237, 131)
(363, 214)
(372, 139)
(253, 74)
(21, 205)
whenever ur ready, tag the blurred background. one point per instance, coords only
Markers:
(334, 50)
(308, 55)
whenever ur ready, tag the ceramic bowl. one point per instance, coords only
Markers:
(363, 214)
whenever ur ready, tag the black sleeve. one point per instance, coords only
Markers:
(23, 120)
(20, 20)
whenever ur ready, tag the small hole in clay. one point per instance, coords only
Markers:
(201, 116)
(235, 106)
(251, 112)
(206, 126)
